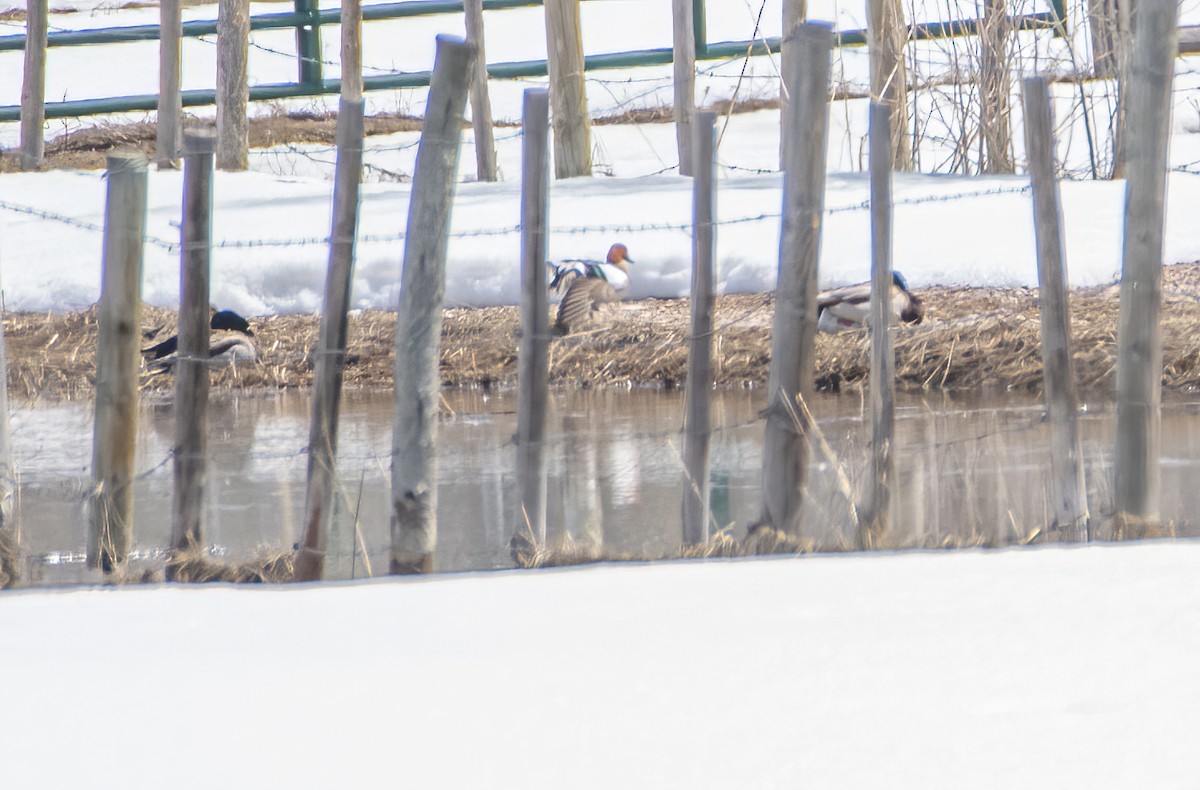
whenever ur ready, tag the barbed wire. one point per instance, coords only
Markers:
(505, 230)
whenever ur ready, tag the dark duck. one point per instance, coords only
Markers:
(849, 307)
(231, 343)
(586, 285)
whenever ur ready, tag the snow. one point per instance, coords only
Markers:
(1036, 668)
(1032, 667)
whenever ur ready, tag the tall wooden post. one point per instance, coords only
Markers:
(419, 318)
(876, 516)
(794, 12)
(697, 428)
(887, 34)
(169, 139)
(684, 64)
(533, 369)
(1068, 491)
(568, 90)
(331, 348)
(481, 104)
(994, 89)
(233, 84)
(790, 387)
(1102, 25)
(114, 441)
(33, 84)
(191, 371)
(1139, 331)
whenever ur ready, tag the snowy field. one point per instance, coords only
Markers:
(1033, 668)
(1026, 668)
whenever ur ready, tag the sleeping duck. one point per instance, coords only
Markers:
(232, 344)
(588, 284)
(849, 307)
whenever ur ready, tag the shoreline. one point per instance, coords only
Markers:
(973, 339)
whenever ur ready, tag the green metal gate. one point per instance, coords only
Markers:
(307, 20)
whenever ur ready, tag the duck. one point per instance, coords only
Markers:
(850, 306)
(233, 345)
(586, 285)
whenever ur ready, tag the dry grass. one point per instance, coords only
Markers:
(10, 559)
(267, 566)
(973, 340)
(88, 147)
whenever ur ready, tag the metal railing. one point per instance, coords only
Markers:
(307, 19)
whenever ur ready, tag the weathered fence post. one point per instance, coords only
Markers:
(794, 12)
(697, 427)
(191, 369)
(233, 85)
(785, 445)
(33, 84)
(10, 544)
(1068, 491)
(994, 108)
(1102, 25)
(169, 134)
(888, 33)
(875, 519)
(481, 104)
(1139, 330)
(114, 440)
(533, 368)
(684, 64)
(419, 318)
(331, 348)
(568, 90)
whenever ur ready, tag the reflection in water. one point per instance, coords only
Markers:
(968, 470)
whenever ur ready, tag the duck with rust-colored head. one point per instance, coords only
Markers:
(850, 306)
(586, 285)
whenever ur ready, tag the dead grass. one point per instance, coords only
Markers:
(10, 559)
(267, 566)
(973, 339)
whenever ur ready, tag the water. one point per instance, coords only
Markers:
(969, 470)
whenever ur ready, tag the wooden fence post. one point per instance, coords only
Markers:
(684, 64)
(191, 370)
(1068, 491)
(33, 85)
(10, 543)
(169, 134)
(481, 104)
(1139, 330)
(533, 370)
(568, 90)
(790, 387)
(419, 318)
(114, 441)
(875, 522)
(994, 110)
(794, 12)
(888, 34)
(697, 426)
(1102, 25)
(331, 348)
(233, 86)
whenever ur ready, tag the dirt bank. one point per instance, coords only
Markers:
(973, 339)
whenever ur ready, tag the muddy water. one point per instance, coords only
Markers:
(969, 470)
